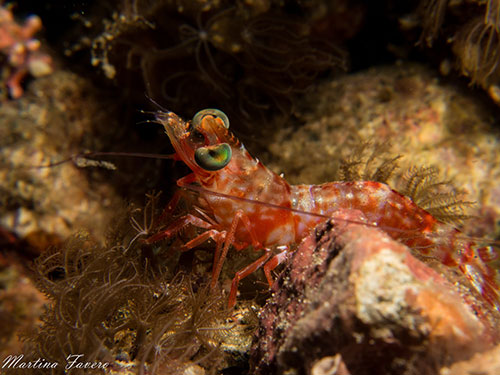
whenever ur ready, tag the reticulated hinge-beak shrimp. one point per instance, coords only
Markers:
(231, 181)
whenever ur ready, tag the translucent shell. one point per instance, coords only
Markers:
(198, 117)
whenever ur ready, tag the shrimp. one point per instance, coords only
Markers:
(243, 203)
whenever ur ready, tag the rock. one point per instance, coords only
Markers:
(330, 366)
(352, 291)
(60, 117)
(487, 363)
(21, 305)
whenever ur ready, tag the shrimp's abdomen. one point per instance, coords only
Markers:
(403, 220)
(381, 205)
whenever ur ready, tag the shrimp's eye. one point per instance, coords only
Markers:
(213, 158)
(210, 112)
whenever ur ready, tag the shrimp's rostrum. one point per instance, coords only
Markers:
(248, 204)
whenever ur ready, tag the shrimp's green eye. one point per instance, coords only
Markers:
(213, 158)
(210, 112)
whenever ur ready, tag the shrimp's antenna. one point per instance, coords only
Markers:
(143, 111)
(158, 105)
(76, 159)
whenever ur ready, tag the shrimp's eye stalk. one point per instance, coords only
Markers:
(210, 112)
(213, 158)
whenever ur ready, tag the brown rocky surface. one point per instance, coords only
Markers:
(486, 363)
(352, 291)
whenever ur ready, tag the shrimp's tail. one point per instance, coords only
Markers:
(479, 266)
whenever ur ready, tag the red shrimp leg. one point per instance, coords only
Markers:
(167, 211)
(482, 276)
(268, 267)
(174, 201)
(215, 235)
(186, 180)
(273, 263)
(230, 237)
(178, 225)
(220, 237)
(244, 273)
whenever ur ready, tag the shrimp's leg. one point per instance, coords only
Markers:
(173, 202)
(268, 267)
(215, 235)
(230, 239)
(244, 273)
(169, 209)
(273, 263)
(178, 225)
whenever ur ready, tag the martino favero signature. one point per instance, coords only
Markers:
(72, 361)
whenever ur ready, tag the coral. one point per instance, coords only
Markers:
(477, 47)
(433, 12)
(475, 36)
(113, 304)
(129, 305)
(21, 50)
(440, 198)
(369, 162)
(352, 296)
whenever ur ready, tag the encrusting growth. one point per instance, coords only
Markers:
(22, 50)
